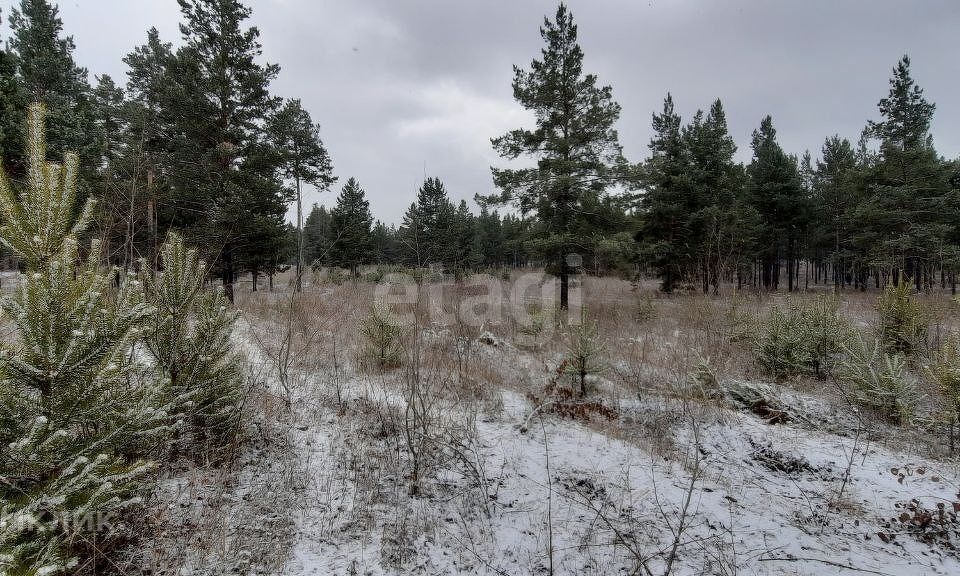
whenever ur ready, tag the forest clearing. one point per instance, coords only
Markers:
(541, 357)
(682, 451)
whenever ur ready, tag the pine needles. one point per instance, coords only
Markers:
(382, 332)
(75, 408)
(81, 412)
(190, 344)
(804, 337)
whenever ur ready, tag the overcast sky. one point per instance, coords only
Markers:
(407, 87)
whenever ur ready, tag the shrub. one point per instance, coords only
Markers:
(584, 352)
(646, 310)
(807, 336)
(879, 380)
(540, 318)
(703, 381)
(902, 320)
(741, 324)
(75, 409)
(382, 332)
(779, 346)
(338, 277)
(374, 276)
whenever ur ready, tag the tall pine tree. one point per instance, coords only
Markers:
(776, 193)
(664, 201)
(908, 186)
(224, 166)
(574, 144)
(427, 232)
(49, 75)
(304, 160)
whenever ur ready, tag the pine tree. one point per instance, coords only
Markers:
(48, 74)
(719, 219)
(835, 199)
(224, 166)
(351, 239)
(386, 244)
(12, 102)
(145, 166)
(908, 186)
(516, 231)
(490, 238)
(776, 193)
(464, 255)
(190, 344)
(316, 234)
(304, 159)
(665, 179)
(117, 204)
(427, 231)
(73, 409)
(574, 144)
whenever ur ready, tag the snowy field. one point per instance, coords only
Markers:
(349, 480)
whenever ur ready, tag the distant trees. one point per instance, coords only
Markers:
(665, 178)
(695, 220)
(722, 221)
(853, 213)
(12, 102)
(775, 191)
(835, 196)
(47, 73)
(224, 155)
(316, 236)
(907, 187)
(195, 141)
(490, 238)
(574, 144)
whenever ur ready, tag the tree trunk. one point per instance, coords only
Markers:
(151, 222)
(227, 275)
(299, 237)
(564, 284)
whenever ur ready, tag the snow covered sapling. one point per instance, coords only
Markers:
(806, 336)
(190, 343)
(778, 346)
(73, 407)
(382, 331)
(584, 352)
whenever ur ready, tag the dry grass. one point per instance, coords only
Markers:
(403, 432)
(653, 342)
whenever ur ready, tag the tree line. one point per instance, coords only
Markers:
(434, 232)
(195, 141)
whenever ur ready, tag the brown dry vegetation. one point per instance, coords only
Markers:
(351, 448)
(652, 343)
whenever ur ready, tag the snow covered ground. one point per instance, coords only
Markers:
(667, 486)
